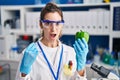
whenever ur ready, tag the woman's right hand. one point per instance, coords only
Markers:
(29, 57)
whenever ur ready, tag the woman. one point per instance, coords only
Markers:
(48, 58)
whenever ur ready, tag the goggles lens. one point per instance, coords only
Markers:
(48, 23)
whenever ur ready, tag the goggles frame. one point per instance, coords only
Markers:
(48, 23)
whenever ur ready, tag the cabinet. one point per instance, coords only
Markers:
(74, 15)
(12, 17)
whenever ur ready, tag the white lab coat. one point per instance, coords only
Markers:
(41, 71)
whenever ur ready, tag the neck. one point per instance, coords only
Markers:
(49, 43)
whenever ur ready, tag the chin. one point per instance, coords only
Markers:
(54, 39)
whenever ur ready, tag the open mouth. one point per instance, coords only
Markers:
(53, 35)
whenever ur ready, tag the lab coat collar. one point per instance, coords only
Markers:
(59, 42)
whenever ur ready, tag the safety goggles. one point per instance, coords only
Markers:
(49, 23)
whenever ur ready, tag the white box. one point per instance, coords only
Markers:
(106, 20)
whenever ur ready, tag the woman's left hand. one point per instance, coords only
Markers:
(81, 49)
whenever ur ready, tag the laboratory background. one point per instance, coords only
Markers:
(19, 26)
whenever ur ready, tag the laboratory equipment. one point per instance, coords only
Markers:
(12, 23)
(23, 41)
(105, 73)
(5, 72)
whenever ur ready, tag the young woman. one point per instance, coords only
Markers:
(49, 58)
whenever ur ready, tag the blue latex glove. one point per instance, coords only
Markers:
(29, 57)
(81, 49)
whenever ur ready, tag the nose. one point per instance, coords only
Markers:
(53, 26)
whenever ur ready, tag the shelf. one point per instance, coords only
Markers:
(70, 5)
(11, 60)
(115, 34)
(12, 18)
(11, 7)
